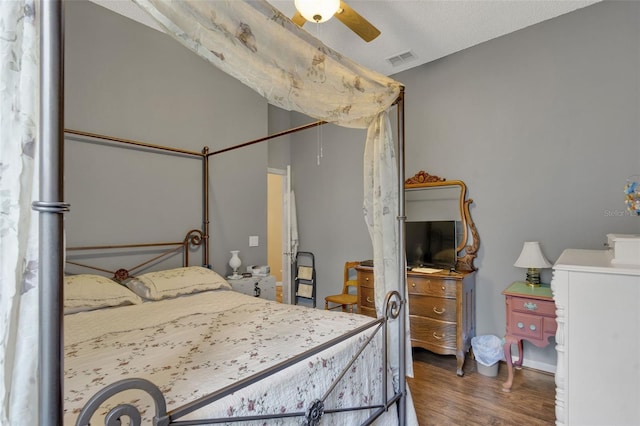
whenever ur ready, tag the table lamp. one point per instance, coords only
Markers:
(532, 258)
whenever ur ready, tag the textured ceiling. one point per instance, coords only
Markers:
(428, 29)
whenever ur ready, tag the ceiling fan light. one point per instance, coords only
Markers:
(317, 10)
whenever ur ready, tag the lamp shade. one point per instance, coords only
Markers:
(532, 257)
(317, 10)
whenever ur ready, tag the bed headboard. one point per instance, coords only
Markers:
(141, 255)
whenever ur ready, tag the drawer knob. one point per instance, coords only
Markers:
(530, 306)
(532, 327)
(366, 279)
(520, 325)
(435, 335)
(439, 311)
(369, 300)
(442, 288)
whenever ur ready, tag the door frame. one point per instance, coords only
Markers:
(287, 253)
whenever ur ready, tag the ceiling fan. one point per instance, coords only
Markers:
(323, 10)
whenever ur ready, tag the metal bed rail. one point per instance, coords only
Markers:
(312, 415)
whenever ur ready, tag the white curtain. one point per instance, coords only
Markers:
(381, 212)
(19, 103)
(261, 47)
(258, 45)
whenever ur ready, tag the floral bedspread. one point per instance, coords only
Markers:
(190, 346)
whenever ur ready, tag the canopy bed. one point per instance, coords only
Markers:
(236, 37)
(205, 354)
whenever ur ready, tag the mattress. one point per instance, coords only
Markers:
(192, 345)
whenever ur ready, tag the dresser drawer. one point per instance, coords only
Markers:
(526, 325)
(365, 278)
(538, 307)
(367, 298)
(550, 325)
(432, 307)
(432, 333)
(438, 287)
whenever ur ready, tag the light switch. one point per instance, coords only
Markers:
(253, 241)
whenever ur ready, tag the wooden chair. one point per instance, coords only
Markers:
(347, 300)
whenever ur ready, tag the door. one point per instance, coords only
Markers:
(280, 252)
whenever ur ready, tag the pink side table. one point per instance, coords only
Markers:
(531, 316)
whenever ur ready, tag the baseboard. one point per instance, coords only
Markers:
(537, 365)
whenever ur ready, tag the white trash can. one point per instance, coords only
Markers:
(489, 371)
(488, 351)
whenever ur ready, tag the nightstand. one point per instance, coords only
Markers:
(257, 286)
(531, 316)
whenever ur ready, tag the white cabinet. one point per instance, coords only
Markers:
(597, 340)
(263, 287)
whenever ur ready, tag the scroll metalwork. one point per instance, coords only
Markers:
(393, 305)
(115, 415)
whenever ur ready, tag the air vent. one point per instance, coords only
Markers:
(401, 58)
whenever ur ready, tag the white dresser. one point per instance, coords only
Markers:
(265, 287)
(597, 340)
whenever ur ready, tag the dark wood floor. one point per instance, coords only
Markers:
(442, 398)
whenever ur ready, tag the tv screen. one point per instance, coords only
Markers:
(431, 244)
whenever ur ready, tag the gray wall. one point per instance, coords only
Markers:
(329, 196)
(541, 124)
(279, 148)
(127, 80)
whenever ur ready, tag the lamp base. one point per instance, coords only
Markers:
(533, 277)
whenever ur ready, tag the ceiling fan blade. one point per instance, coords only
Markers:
(298, 19)
(356, 23)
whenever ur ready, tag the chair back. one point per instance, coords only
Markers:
(348, 266)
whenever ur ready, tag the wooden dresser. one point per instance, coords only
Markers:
(441, 310)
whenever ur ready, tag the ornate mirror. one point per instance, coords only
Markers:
(432, 199)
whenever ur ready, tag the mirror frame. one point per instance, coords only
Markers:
(423, 180)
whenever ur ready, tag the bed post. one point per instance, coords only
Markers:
(205, 202)
(51, 209)
(402, 278)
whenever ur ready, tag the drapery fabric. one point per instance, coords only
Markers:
(258, 45)
(380, 208)
(19, 103)
(255, 43)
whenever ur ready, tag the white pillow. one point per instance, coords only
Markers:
(85, 292)
(175, 282)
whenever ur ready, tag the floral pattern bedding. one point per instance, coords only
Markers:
(192, 345)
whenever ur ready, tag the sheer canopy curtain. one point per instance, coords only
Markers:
(19, 103)
(258, 45)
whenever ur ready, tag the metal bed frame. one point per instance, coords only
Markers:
(194, 238)
(312, 415)
(51, 208)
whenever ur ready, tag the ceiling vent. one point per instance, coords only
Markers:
(401, 58)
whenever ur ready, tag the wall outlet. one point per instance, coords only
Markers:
(253, 241)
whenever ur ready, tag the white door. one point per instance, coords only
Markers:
(289, 246)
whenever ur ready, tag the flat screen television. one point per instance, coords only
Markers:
(431, 244)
